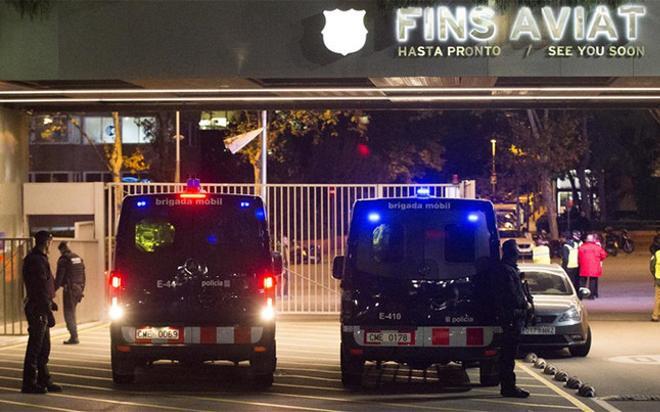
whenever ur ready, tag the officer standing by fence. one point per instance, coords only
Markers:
(70, 277)
(513, 309)
(39, 307)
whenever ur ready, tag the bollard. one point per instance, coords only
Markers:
(573, 383)
(540, 363)
(587, 391)
(561, 376)
(550, 370)
(531, 357)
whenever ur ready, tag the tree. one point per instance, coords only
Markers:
(544, 144)
(159, 130)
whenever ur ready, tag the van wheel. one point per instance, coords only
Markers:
(489, 373)
(351, 369)
(262, 367)
(582, 350)
(123, 370)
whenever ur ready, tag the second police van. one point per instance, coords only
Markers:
(194, 280)
(410, 285)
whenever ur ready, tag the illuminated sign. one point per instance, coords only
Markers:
(571, 31)
(344, 31)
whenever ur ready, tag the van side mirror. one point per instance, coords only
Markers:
(584, 293)
(278, 267)
(338, 267)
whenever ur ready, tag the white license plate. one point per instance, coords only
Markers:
(539, 330)
(388, 338)
(157, 333)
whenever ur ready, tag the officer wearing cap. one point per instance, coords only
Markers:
(39, 307)
(513, 308)
(71, 277)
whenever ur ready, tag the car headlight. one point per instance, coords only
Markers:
(573, 314)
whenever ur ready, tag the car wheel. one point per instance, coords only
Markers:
(351, 369)
(582, 350)
(123, 371)
(489, 373)
(262, 368)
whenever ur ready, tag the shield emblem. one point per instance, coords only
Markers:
(344, 31)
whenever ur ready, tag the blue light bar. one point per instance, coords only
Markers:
(423, 191)
(212, 239)
(373, 217)
(473, 217)
(245, 204)
(141, 203)
(261, 214)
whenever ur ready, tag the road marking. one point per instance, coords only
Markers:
(361, 401)
(652, 360)
(605, 405)
(546, 395)
(93, 399)
(535, 405)
(58, 365)
(308, 370)
(559, 391)
(269, 405)
(314, 378)
(322, 388)
(29, 405)
(71, 375)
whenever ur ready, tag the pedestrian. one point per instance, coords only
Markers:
(569, 257)
(590, 258)
(71, 277)
(512, 308)
(655, 271)
(541, 252)
(39, 307)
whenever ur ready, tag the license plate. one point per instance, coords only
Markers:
(165, 333)
(389, 338)
(539, 330)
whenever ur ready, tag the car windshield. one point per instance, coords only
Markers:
(547, 283)
(420, 244)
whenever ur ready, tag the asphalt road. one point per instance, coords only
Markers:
(307, 378)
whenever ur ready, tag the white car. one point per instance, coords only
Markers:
(561, 319)
(523, 240)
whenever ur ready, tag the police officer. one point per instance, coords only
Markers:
(39, 306)
(513, 309)
(569, 258)
(71, 277)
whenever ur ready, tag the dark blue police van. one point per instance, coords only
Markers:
(411, 291)
(194, 280)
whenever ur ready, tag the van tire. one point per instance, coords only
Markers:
(123, 370)
(582, 351)
(351, 369)
(489, 373)
(262, 368)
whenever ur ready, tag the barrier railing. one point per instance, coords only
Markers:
(12, 252)
(308, 226)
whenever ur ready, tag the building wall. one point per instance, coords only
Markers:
(13, 170)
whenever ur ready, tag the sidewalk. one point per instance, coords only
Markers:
(56, 333)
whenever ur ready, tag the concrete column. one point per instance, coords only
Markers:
(14, 165)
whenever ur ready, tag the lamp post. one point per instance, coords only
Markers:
(493, 175)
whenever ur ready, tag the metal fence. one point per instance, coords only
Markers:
(12, 252)
(308, 226)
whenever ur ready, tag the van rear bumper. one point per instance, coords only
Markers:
(138, 351)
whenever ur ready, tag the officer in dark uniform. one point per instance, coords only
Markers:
(39, 307)
(71, 277)
(513, 309)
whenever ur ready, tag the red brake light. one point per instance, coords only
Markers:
(115, 280)
(192, 195)
(269, 282)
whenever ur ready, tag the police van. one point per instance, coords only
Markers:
(194, 280)
(412, 290)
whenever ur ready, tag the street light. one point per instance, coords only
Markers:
(493, 175)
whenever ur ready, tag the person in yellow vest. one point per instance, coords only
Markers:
(655, 271)
(541, 253)
(569, 257)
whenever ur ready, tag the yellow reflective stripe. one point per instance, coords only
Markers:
(657, 264)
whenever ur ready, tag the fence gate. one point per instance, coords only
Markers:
(308, 225)
(12, 252)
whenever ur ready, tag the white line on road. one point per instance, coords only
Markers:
(605, 405)
(571, 399)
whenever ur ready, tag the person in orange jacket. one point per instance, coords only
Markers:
(590, 258)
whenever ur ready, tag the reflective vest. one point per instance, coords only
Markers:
(541, 255)
(656, 268)
(572, 255)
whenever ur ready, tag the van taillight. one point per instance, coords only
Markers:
(116, 280)
(269, 282)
